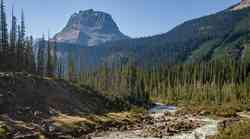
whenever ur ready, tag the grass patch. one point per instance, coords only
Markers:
(70, 122)
(240, 130)
(138, 110)
(42, 137)
(91, 122)
(225, 110)
(3, 130)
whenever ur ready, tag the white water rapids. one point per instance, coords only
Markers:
(208, 129)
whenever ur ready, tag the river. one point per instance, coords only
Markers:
(208, 128)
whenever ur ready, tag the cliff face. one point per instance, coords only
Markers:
(90, 28)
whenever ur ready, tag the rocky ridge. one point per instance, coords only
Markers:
(243, 4)
(90, 28)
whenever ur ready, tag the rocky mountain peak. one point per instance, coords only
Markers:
(90, 28)
(243, 4)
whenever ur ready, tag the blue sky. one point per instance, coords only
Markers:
(135, 18)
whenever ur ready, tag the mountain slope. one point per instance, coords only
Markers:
(89, 28)
(22, 95)
(211, 37)
(33, 108)
(216, 36)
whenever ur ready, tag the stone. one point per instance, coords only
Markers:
(51, 128)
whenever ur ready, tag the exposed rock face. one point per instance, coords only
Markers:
(90, 28)
(243, 4)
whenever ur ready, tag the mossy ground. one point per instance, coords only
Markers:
(239, 130)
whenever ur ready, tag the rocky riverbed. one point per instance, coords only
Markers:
(162, 122)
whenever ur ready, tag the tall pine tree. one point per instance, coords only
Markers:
(4, 35)
(22, 27)
(40, 57)
(55, 58)
(20, 48)
(50, 69)
(13, 39)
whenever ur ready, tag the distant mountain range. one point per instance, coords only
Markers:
(220, 35)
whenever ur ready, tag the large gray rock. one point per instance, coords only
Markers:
(90, 28)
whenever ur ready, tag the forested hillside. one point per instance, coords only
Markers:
(215, 83)
(224, 34)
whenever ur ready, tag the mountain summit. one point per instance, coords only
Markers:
(90, 28)
(243, 4)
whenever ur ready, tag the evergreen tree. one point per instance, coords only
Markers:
(50, 68)
(13, 40)
(20, 50)
(22, 35)
(4, 35)
(55, 59)
(31, 64)
(41, 57)
(60, 68)
(72, 73)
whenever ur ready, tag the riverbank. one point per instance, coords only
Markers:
(158, 126)
(66, 126)
(168, 122)
(163, 122)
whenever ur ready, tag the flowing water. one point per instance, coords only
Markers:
(208, 129)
